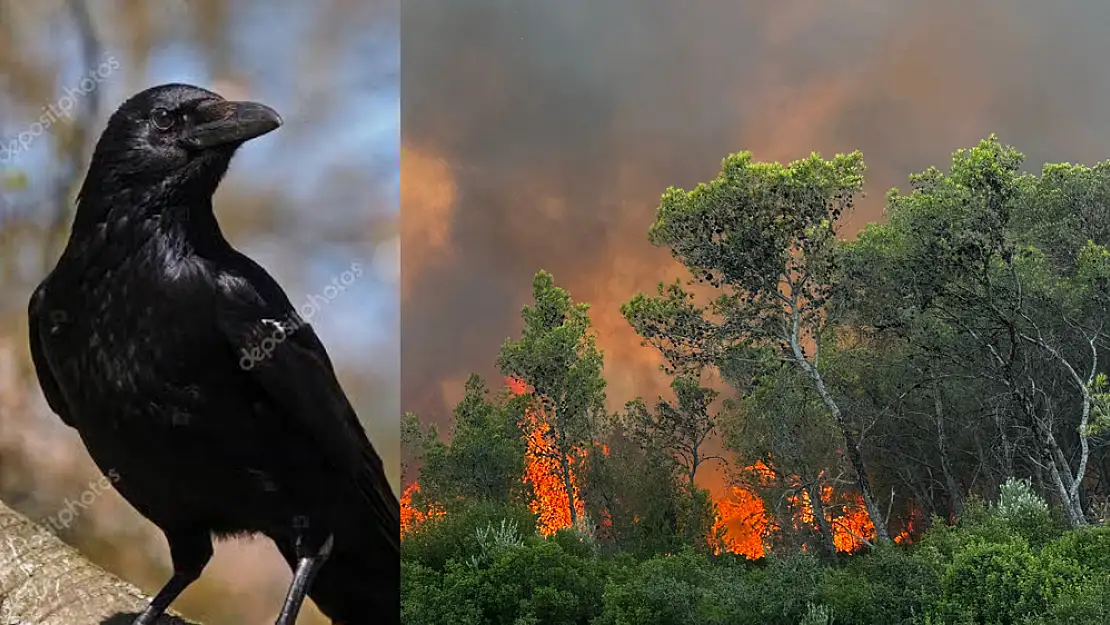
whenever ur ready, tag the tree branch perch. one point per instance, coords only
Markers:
(44, 581)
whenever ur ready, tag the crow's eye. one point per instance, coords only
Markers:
(161, 118)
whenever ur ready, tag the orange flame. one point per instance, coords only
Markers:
(741, 525)
(849, 528)
(744, 521)
(743, 516)
(413, 517)
(541, 470)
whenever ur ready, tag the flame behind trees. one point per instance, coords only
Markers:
(679, 431)
(557, 358)
(782, 420)
(763, 237)
(746, 524)
(550, 448)
(551, 501)
(482, 462)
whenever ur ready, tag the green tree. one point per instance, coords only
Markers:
(969, 256)
(484, 459)
(415, 440)
(763, 235)
(637, 488)
(680, 427)
(679, 431)
(558, 358)
(783, 422)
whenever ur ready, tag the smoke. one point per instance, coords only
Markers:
(541, 134)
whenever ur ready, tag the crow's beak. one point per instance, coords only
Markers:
(230, 123)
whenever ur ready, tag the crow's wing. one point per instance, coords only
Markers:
(47, 381)
(285, 357)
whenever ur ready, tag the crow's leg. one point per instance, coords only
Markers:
(309, 560)
(190, 551)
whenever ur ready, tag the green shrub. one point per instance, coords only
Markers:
(575, 543)
(1024, 513)
(1006, 564)
(1090, 547)
(424, 600)
(455, 536)
(673, 590)
(886, 587)
(1003, 583)
(1018, 515)
(1084, 604)
(536, 583)
(785, 589)
(817, 615)
(541, 581)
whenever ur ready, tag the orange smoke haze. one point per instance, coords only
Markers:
(429, 184)
(540, 135)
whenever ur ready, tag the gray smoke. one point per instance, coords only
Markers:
(544, 132)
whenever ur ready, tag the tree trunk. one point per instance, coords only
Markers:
(694, 462)
(954, 495)
(850, 444)
(1075, 517)
(564, 468)
(1086, 401)
(817, 505)
(1060, 475)
(691, 492)
(1058, 469)
(1072, 503)
(44, 581)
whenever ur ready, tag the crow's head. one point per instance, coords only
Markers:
(173, 138)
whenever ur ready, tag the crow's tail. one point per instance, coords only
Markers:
(359, 585)
(360, 582)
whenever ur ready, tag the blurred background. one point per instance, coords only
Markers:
(307, 202)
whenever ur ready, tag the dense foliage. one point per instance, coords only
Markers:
(1008, 563)
(865, 392)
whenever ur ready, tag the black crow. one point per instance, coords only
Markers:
(192, 379)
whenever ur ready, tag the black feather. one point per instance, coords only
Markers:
(139, 338)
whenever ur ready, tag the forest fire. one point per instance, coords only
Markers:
(742, 525)
(849, 528)
(745, 521)
(541, 471)
(412, 516)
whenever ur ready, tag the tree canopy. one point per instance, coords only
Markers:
(936, 381)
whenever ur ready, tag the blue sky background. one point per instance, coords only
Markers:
(336, 167)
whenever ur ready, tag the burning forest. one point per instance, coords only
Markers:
(741, 520)
(838, 385)
(802, 385)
